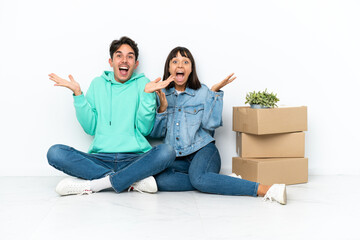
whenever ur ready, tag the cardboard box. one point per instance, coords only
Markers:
(271, 145)
(272, 170)
(269, 121)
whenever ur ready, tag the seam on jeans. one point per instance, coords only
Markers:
(255, 189)
(130, 159)
(142, 155)
(208, 166)
(66, 171)
(118, 172)
(198, 178)
(108, 174)
(83, 155)
(112, 183)
(100, 159)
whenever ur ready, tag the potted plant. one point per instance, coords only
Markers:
(261, 99)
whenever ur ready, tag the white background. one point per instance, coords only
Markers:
(308, 52)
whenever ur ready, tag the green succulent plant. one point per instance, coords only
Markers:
(264, 98)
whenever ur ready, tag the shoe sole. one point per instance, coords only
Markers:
(60, 188)
(284, 197)
(63, 184)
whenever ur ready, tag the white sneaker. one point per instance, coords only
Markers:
(234, 175)
(146, 185)
(70, 186)
(276, 192)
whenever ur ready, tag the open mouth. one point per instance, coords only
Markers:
(180, 76)
(124, 70)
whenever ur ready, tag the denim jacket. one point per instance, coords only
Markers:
(189, 122)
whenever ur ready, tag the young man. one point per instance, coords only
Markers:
(119, 111)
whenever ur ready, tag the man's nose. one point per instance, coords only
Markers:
(123, 60)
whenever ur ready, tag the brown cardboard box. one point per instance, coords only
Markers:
(271, 145)
(269, 121)
(272, 170)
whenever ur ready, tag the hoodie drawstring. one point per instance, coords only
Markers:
(109, 76)
(110, 103)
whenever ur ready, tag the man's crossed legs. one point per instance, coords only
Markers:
(109, 170)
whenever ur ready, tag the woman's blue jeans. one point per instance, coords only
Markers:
(200, 171)
(123, 168)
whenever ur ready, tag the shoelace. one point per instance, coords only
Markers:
(267, 197)
(134, 188)
(86, 192)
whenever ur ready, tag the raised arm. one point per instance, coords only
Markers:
(72, 84)
(212, 118)
(160, 126)
(84, 106)
(146, 113)
(223, 83)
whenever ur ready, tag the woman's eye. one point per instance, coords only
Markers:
(174, 62)
(186, 62)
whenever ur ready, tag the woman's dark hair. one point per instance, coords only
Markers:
(124, 40)
(193, 81)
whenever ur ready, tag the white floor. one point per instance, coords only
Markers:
(325, 208)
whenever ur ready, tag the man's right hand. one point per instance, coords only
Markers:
(72, 84)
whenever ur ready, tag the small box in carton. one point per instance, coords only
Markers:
(272, 170)
(269, 121)
(271, 145)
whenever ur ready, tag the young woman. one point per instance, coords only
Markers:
(188, 113)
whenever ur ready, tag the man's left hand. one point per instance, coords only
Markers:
(157, 85)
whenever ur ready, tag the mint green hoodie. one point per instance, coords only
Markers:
(118, 115)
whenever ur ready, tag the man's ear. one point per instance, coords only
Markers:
(110, 62)
(136, 64)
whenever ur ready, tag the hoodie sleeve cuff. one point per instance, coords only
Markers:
(148, 98)
(79, 100)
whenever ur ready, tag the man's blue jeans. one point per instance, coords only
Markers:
(200, 171)
(123, 168)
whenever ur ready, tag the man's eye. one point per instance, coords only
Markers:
(131, 57)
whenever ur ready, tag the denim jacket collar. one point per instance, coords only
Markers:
(188, 91)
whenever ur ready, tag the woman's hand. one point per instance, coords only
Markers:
(223, 83)
(157, 85)
(72, 84)
(163, 101)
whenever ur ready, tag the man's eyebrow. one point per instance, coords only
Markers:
(128, 52)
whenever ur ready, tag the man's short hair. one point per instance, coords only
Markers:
(124, 40)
